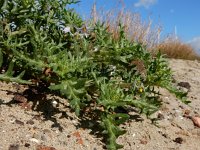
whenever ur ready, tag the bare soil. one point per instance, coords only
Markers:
(42, 121)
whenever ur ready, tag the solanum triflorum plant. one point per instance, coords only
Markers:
(42, 40)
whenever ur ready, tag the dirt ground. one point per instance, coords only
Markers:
(51, 125)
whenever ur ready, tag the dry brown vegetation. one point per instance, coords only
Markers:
(142, 31)
(175, 48)
(135, 28)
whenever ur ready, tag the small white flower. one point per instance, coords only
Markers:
(66, 30)
(96, 49)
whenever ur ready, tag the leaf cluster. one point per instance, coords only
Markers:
(85, 64)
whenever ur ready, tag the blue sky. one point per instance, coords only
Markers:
(182, 14)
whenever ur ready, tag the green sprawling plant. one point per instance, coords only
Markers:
(41, 39)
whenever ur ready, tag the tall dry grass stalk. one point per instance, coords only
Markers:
(138, 30)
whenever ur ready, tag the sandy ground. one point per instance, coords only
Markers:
(51, 125)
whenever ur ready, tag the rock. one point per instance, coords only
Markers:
(55, 103)
(143, 141)
(34, 140)
(19, 98)
(185, 85)
(27, 145)
(178, 140)
(160, 116)
(196, 121)
(19, 122)
(186, 112)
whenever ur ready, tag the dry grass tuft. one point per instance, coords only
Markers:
(175, 48)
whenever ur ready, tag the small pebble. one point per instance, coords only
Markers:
(19, 122)
(179, 140)
(55, 103)
(34, 140)
(27, 145)
(181, 117)
(133, 135)
(74, 122)
(12, 120)
(160, 116)
(196, 121)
